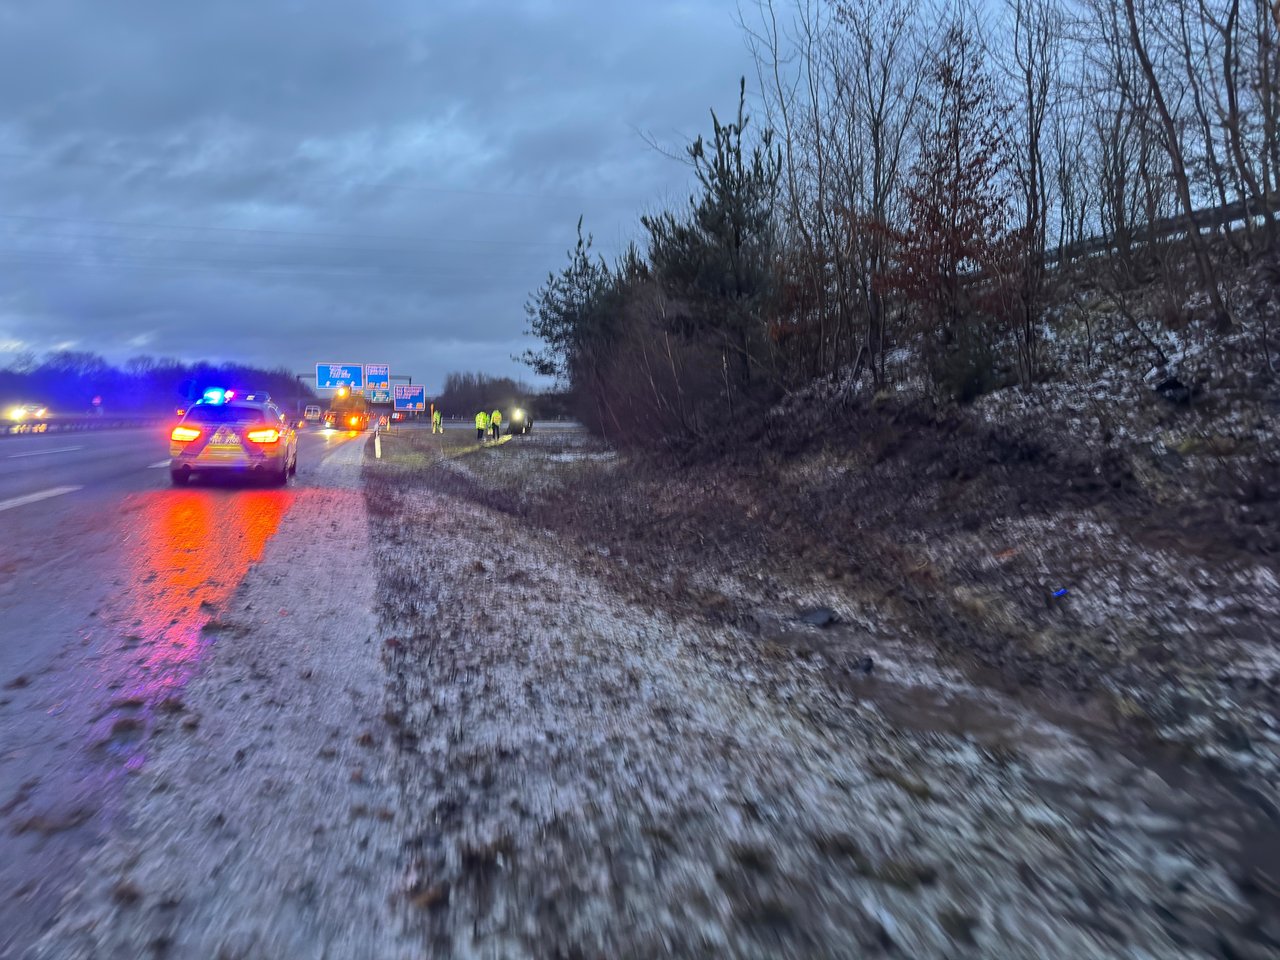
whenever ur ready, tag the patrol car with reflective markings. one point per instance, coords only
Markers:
(225, 434)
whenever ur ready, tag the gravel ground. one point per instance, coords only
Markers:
(589, 774)
(510, 736)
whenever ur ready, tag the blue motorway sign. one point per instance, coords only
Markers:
(330, 376)
(377, 376)
(377, 394)
(410, 396)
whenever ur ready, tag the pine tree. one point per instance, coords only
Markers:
(718, 260)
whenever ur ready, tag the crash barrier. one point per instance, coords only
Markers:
(16, 428)
(1256, 210)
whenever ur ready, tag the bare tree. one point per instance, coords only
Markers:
(886, 73)
(839, 81)
(788, 65)
(1172, 143)
(1033, 61)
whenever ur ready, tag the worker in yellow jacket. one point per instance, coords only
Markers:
(482, 425)
(496, 423)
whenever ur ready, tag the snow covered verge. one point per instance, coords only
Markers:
(1112, 532)
(615, 736)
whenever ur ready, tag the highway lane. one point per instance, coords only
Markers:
(108, 578)
(34, 463)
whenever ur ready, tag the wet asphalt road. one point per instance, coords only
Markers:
(107, 576)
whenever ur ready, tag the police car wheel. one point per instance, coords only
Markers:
(179, 477)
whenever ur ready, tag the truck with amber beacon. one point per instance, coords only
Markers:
(348, 410)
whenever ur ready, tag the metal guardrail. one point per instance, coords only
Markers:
(17, 428)
(1213, 218)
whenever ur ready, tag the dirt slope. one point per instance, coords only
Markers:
(620, 739)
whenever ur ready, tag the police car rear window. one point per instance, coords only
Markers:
(225, 413)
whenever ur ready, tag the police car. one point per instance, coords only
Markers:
(231, 435)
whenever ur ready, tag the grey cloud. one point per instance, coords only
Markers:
(271, 181)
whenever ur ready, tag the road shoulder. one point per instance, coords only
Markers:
(262, 823)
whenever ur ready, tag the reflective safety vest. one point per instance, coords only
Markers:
(497, 417)
(482, 421)
(437, 416)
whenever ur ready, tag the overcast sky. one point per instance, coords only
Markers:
(289, 181)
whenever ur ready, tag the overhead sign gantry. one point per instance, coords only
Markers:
(410, 397)
(331, 376)
(377, 382)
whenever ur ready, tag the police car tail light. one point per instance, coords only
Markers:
(270, 435)
(184, 434)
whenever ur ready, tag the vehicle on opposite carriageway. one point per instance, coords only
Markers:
(27, 411)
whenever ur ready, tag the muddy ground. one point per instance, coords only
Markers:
(806, 705)
(544, 699)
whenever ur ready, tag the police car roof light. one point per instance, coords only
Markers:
(216, 395)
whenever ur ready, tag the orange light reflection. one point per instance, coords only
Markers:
(187, 552)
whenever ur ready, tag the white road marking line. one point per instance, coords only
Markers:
(158, 466)
(41, 453)
(34, 497)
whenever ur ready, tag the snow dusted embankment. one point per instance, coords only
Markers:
(586, 775)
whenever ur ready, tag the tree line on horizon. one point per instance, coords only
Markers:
(906, 172)
(67, 381)
(465, 394)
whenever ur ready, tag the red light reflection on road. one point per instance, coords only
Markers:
(186, 552)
